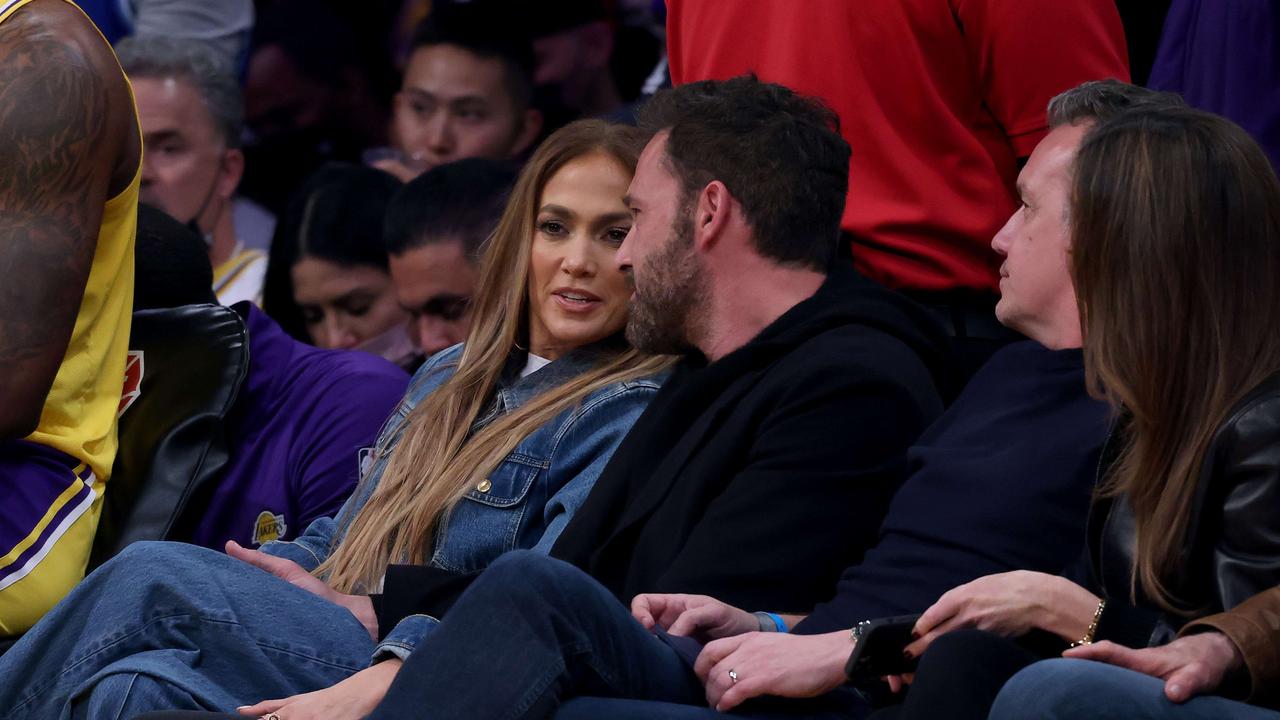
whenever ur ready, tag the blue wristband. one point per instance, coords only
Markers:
(777, 621)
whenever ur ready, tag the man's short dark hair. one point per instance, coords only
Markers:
(780, 155)
(171, 264)
(458, 201)
(483, 36)
(1101, 100)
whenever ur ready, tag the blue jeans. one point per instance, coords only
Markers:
(1065, 688)
(167, 625)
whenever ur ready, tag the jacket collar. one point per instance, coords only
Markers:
(514, 391)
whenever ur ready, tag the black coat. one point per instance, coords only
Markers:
(757, 478)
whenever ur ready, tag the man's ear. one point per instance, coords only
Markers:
(231, 172)
(530, 128)
(711, 215)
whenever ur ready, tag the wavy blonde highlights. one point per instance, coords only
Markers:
(1176, 263)
(436, 460)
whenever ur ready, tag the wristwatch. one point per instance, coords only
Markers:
(855, 635)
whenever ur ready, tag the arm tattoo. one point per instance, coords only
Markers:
(53, 125)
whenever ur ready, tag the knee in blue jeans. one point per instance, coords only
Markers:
(1054, 688)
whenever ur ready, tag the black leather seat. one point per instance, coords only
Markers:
(173, 445)
(186, 366)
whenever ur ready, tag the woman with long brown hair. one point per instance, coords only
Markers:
(496, 444)
(1175, 258)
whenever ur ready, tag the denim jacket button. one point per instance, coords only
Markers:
(484, 486)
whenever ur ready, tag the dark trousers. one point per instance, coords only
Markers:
(528, 633)
(960, 675)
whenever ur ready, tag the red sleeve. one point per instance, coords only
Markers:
(1027, 51)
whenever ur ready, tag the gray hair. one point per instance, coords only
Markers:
(1101, 100)
(197, 63)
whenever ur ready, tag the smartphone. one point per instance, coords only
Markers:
(878, 651)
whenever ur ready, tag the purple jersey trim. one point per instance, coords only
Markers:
(32, 478)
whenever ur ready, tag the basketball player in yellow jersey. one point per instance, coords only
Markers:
(70, 151)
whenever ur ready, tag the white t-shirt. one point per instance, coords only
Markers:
(533, 365)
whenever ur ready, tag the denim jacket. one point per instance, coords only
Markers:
(524, 503)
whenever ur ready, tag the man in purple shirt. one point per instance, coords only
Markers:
(301, 420)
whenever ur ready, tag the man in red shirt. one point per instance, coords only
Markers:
(940, 100)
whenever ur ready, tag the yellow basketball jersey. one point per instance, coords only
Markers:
(79, 416)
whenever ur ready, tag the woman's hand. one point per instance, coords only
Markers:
(795, 666)
(291, 572)
(1010, 604)
(351, 699)
(692, 615)
(1190, 666)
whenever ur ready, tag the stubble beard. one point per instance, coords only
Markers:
(673, 299)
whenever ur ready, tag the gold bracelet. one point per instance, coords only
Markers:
(1093, 626)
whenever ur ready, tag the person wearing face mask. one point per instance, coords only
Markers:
(328, 283)
(192, 117)
(494, 448)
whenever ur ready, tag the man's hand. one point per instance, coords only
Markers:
(291, 572)
(795, 666)
(1010, 604)
(351, 699)
(1190, 666)
(692, 615)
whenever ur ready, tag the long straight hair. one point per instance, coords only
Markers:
(1176, 263)
(437, 459)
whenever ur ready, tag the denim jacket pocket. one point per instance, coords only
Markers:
(487, 521)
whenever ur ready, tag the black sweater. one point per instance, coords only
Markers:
(1001, 482)
(759, 477)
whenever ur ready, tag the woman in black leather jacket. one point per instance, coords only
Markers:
(1176, 263)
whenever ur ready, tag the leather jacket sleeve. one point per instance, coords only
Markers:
(1246, 556)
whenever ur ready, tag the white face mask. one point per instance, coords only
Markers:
(394, 345)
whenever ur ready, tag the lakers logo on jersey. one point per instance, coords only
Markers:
(268, 527)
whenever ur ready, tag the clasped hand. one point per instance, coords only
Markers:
(764, 663)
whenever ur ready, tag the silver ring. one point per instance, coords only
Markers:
(272, 716)
(733, 675)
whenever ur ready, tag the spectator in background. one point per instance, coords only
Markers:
(941, 102)
(329, 281)
(313, 94)
(192, 116)
(574, 44)
(434, 230)
(301, 418)
(467, 92)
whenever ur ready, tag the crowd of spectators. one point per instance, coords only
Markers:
(639, 359)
